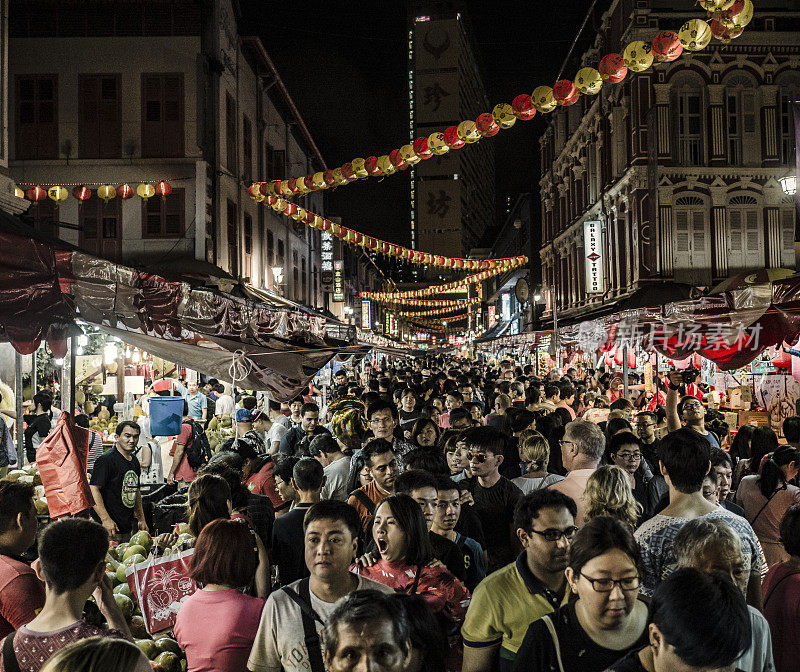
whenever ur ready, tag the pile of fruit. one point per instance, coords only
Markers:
(163, 652)
(219, 430)
(104, 421)
(30, 474)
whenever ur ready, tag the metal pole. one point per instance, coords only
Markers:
(68, 378)
(555, 327)
(34, 372)
(18, 409)
(625, 371)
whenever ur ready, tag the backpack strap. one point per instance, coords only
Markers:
(361, 496)
(302, 598)
(10, 662)
(551, 628)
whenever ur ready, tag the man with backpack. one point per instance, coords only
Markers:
(190, 450)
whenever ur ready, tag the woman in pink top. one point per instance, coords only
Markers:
(217, 625)
(781, 590)
(766, 497)
(407, 561)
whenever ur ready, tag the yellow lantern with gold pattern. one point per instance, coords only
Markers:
(280, 205)
(543, 99)
(588, 81)
(107, 192)
(319, 180)
(638, 56)
(145, 191)
(437, 144)
(504, 115)
(359, 168)
(58, 193)
(468, 132)
(19, 193)
(695, 35)
(409, 155)
(386, 166)
(339, 177)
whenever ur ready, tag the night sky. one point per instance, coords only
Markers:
(345, 65)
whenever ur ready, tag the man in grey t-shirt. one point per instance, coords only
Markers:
(328, 452)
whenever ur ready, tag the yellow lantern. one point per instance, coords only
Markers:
(741, 19)
(19, 193)
(318, 219)
(638, 56)
(58, 193)
(300, 214)
(715, 5)
(543, 99)
(386, 166)
(409, 155)
(107, 192)
(468, 132)
(695, 35)
(588, 81)
(319, 180)
(437, 144)
(359, 168)
(280, 205)
(285, 190)
(145, 191)
(504, 115)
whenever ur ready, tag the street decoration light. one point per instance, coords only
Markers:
(789, 183)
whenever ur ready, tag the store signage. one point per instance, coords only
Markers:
(505, 306)
(492, 316)
(593, 251)
(366, 314)
(338, 281)
(327, 261)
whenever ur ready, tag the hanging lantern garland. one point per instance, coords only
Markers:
(106, 192)
(429, 313)
(727, 20)
(435, 303)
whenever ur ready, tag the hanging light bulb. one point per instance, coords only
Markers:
(110, 352)
(79, 351)
(59, 361)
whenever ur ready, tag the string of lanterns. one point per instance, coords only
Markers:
(315, 221)
(422, 303)
(106, 192)
(432, 312)
(727, 20)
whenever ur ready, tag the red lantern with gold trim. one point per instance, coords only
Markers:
(254, 191)
(421, 148)
(666, 46)
(348, 172)
(330, 180)
(326, 225)
(451, 138)
(371, 164)
(163, 189)
(82, 193)
(291, 209)
(292, 184)
(612, 68)
(486, 125)
(523, 107)
(397, 159)
(125, 191)
(565, 92)
(36, 194)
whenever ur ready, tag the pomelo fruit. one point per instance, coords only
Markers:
(143, 539)
(125, 604)
(134, 549)
(168, 661)
(148, 648)
(123, 589)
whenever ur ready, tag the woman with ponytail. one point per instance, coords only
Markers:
(766, 496)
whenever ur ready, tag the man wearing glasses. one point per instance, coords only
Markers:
(505, 603)
(494, 495)
(382, 417)
(646, 422)
(689, 412)
(582, 449)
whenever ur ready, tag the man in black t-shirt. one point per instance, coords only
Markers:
(494, 496)
(39, 425)
(115, 485)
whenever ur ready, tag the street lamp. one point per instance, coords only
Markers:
(277, 277)
(789, 183)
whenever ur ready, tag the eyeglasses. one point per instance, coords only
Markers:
(480, 458)
(552, 534)
(607, 585)
(629, 456)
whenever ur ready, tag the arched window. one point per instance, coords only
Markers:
(789, 92)
(740, 121)
(692, 248)
(745, 239)
(688, 93)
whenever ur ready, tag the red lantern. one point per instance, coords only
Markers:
(727, 15)
(36, 194)
(371, 164)
(783, 360)
(348, 172)
(486, 125)
(451, 138)
(666, 46)
(421, 148)
(163, 189)
(397, 160)
(565, 92)
(612, 68)
(125, 191)
(291, 209)
(83, 193)
(523, 107)
(326, 225)
(292, 184)
(309, 218)
(722, 33)
(330, 180)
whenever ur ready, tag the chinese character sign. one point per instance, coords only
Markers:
(338, 281)
(366, 315)
(593, 249)
(327, 261)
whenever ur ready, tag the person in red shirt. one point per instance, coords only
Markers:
(180, 471)
(382, 463)
(21, 592)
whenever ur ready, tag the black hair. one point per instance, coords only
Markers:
(445, 483)
(426, 459)
(790, 530)
(82, 420)
(331, 509)
(740, 446)
(273, 405)
(242, 446)
(764, 441)
(412, 479)
(233, 477)
(687, 458)
(419, 425)
(527, 509)
(127, 423)
(791, 428)
(460, 413)
(720, 457)
(381, 405)
(485, 438)
(212, 381)
(614, 425)
(427, 631)
(70, 551)
(621, 404)
(521, 418)
(15, 498)
(249, 402)
(704, 616)
(323, 443)
(227, 458)
(623, 439)
(566, 390)
(376, 447)
(599, 535)
(772, 476)
(408, 516)
(285, 468)
(44, 400)
(455, 394)
(551, 389)
(308, 474)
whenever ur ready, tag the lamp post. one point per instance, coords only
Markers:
(277, 278)
(789, 183)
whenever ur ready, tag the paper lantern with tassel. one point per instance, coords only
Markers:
(125, 191)
(504, 115)
(145, 191)
(666, 46)
(385, 165)
(359, 168)
(410, 157)
(543, 99)
(612, 68)
(107, 192)
(588, 81)
(163, 189)
(736, 17)
(638, 56)
(695, 35)
(58, 193)
(523, 107)
(565, 92)
(36, 194)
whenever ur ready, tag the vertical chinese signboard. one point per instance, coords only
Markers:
(338, 280)
(327, 261)
(366, 314)
(593, 252)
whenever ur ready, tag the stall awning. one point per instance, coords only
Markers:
(44, 289)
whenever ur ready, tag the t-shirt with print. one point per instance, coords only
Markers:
(118, 480)
(33, 649)
(656, 539)
(474, 564)
(280, 641)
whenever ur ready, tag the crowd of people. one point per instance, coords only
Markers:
(433, 515)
